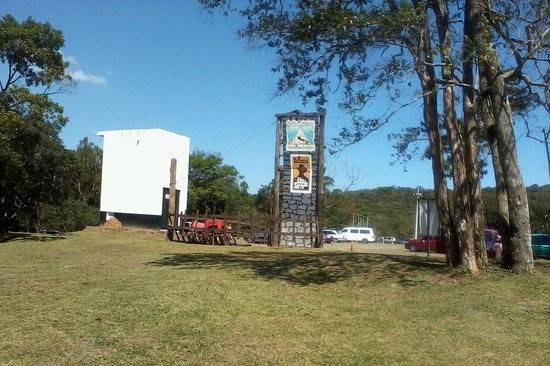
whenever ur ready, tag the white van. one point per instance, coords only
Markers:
(362, 234)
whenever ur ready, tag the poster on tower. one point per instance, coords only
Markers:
(300, 175)
(300, 135)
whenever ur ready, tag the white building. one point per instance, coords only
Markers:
(136, 174)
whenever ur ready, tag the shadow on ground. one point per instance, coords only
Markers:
(13, 237)
(312, 268)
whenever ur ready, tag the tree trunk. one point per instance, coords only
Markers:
(519, 231)
(475, 199)
(426, 73)
(502, 196)
(464, 223)
(546, 135)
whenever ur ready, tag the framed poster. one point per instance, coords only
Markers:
(300, 135)
(300, 174)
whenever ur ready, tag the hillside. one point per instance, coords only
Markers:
(390, 210)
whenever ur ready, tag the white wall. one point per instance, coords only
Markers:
(136, 166)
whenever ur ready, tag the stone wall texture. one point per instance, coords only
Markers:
(298, 206)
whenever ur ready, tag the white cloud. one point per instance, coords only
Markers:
(70, 59)
(80, 75)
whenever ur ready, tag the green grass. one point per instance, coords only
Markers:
(103, 298)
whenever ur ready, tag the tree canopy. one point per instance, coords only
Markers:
(42, 184)
(215, 186)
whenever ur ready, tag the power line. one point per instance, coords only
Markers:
(270, 124)
(249, 138)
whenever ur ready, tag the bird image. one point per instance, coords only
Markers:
(300, 138)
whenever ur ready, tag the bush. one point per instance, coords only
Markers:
(71, 215)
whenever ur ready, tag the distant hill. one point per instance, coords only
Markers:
(391, 210)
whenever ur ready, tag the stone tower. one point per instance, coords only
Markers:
(299, 171)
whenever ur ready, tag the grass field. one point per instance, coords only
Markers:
(106, 298)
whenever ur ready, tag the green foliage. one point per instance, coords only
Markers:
(43, 186)
(33, 168)
(70, 214)
(391, 210)
(40, 180)
(79, 206)
(264, 198)
(30, 50)
(539, 207)
(215, 186)
(85, 174)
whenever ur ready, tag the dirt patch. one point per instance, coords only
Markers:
(112, 224)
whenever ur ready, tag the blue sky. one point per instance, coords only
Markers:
(167, 64)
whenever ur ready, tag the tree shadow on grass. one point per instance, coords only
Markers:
(15, 237)
(313, 268)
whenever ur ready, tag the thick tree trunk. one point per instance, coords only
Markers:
(475, 199)
(519, 231)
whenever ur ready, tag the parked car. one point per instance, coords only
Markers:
(389, 239)
(334, 235)
(436, 244)
(493, 244)
(541, 245)
(362, 234)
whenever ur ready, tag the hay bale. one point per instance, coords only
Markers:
(112, 224)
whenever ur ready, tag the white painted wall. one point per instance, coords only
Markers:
(136, 166)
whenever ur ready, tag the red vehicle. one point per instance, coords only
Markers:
(493, 244)
(436, 244)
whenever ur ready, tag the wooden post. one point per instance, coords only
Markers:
(172, 219)
(276, 188)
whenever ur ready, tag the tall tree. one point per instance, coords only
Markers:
(33, 161)
(521, 29)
